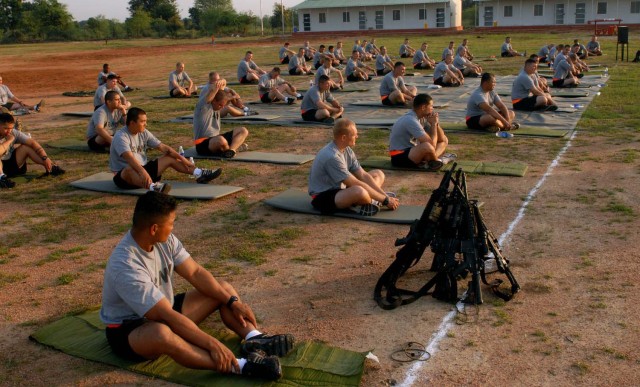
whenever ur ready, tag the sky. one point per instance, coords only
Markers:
(117, 9)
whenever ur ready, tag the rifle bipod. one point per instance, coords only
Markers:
(454, 228)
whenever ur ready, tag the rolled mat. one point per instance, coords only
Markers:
(478, 167)
(309, 364)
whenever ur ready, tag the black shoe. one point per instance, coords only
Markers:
(229, 154)
(278, 345)
(329, 120)
(161, 187)
(208, 175)
(259, 365)
(57, 171)
(290, 100)
(5, 182)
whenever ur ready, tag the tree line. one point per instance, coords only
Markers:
(49, 20)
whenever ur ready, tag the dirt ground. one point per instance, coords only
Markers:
(574, 323)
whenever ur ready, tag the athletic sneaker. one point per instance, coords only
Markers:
(492, 129)
(448, 157)
(515, 126)
(243, 148)
(207, 175)
(251, 113)
(259, 365)
(300, 97)
(57, 171)
(366, 209)
(278, 345)
(229, 154)
(329, 120)
(433, 165)
(161, 187)
(551, 108)
(127, 89)
(391, 194)
(39, 105)
(5, 182)
(290, 100)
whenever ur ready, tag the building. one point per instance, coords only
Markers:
(507, 13)
(369, 15)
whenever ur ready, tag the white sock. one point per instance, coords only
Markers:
(246, 113)
(241, 363)
(246, 109)
(151, 186)
(253, 333)
(197, 172)
(298, 95)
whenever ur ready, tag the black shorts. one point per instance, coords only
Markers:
(353, 78)
(8, 105)
(406, 56)
(203, 147)
(310, 115)
(10, 167)
(558, 82)
(94, 146)
(528, 104)
(421, 66)
(402, 160)
(265, 98)
(285, 60)
(440, 82)
(96, 107)
(325, 202)
(317, 65)
(118, 337)
(505, 54)
(293, 71)
(474, 123)
(172, 95)
(380, 72)
(245, 81)
(386, 101)
(152, 169)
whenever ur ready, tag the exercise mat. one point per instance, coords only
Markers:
(256, 157)
(478, 167)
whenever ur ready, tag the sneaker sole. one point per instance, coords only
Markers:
(279, 346)
(215, 175)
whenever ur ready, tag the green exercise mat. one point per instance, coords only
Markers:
(103, 182)
(529, 131)
(298, 201)
(309, 364)
(265, 117)
(70, 144)
(77, 114)
(379, 104)
(257, 157)
(479, 167)
(559, 93)
(80, 93)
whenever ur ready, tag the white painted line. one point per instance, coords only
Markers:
(448, 319)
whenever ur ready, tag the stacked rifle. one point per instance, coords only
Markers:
(454, 228)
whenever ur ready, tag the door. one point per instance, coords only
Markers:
(488, 16)
(362, 20)
(581, 10)
(306, 22)
(559, 13)
(379, 20)
(440, 17)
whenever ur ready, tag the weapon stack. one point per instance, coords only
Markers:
(454, 228)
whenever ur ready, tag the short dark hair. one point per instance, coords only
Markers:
(276, 70)
(248, 52)
(421, 99)
(7, 118)
(133, 114)
(151, 208)
(323, 78)
(110, 96)
(398, 64)
(486, 77)
(530, 61)
(112, 76)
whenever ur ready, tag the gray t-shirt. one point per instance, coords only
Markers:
(18, 138)
(419, 56)
(244, 67)
(403, 49)
(447, 51)
(544, 51)
(506, 47)
(522, 86)
(390, 84)
(351, 65)
(560, 57)
(460, 63)
(553, 52)
(123, 141)
(441, 69)
(479, 96)
(370, 47)
(103, 76)
(265, 84)
(338, 52)
(330, 168)
(562, 70)
(406, 132)
(313, 96)
(135, 280)
(206, 120)
(5, 94)
(381, 60)
(317, 58)
(101, 91)
(283, 53)
(591, 45)
(181, 79)
(324, 71)
(107, 119)
(296, 61)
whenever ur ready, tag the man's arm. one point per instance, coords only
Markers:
(137, 167)
(40, 152)
(104, 133)
(494, 113)
(363, 179)
(169, 151)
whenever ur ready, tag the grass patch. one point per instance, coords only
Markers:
(60, 254)
(6, 279)
(66, 279)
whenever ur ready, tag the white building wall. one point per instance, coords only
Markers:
(523, 12)
(409, 18)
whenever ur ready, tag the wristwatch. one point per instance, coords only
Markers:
(232, 299)
(385, 201)
(44, 158)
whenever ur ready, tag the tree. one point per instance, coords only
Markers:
(276, 19)
(10, 11)
(99, 27)
(139, 24)
(218, 5)
(46, 19)
(163, 9)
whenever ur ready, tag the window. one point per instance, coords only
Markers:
(322, 17)
(440, 17)
(602, 8)
(346, 18)
(508, 10)
(635, 7)
(538, 10)
(396, 14)
(423, 14)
